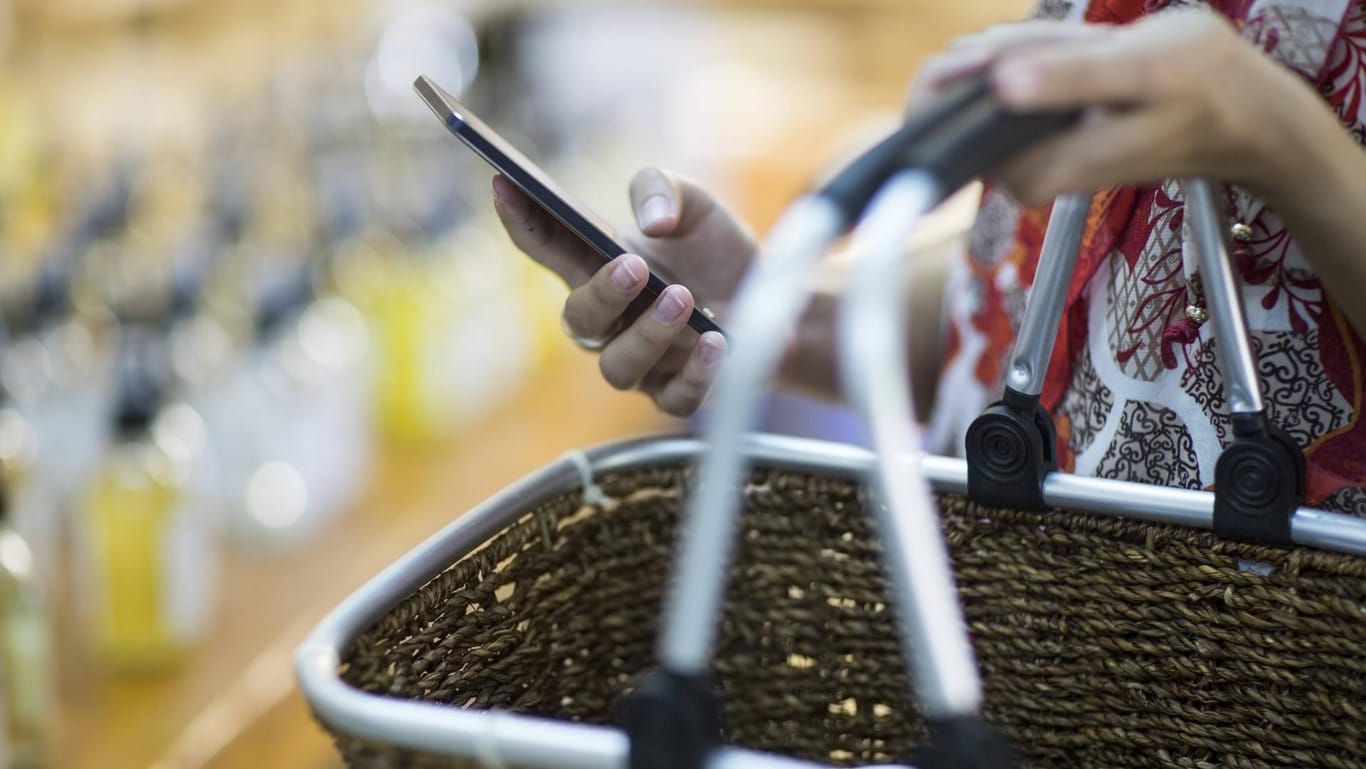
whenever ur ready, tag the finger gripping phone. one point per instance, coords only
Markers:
(512, 164)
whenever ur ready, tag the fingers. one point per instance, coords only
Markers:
(1136, 64)
(649, 353)
(595, 308)
(540, 236)
(668, 205)
(1072, 76)
(656, 198)
(1108, 148)
(972, 53)
(683, 394)
(1001, 37)
(627, 360)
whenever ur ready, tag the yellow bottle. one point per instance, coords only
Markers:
(410, 304)
(146, 557)
(26, 657)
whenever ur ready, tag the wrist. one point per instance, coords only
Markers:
(1299, 150)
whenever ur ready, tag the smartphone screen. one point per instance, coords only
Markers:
(537, 185)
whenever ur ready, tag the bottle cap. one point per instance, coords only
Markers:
(141, 383)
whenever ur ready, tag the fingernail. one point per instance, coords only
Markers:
(1017, 82)
(710, 350)
(506, 196)
(627, 272)
(671, 306)
(655, 211)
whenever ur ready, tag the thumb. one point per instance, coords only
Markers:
(667, 205)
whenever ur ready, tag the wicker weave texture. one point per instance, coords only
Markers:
(1103, 642)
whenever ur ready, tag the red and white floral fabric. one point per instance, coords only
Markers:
(1134, 385)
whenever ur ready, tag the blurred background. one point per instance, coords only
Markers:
(260, 333)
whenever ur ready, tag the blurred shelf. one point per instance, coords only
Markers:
(984, 8)
(235, 705)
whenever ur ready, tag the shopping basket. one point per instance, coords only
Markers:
(1112, 629)
(1104, 639)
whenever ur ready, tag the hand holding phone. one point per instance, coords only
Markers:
(686, 233)
(538, 186)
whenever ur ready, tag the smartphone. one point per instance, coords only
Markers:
(512, 164)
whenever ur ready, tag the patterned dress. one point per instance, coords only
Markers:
(1133, 384)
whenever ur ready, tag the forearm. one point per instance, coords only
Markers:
(1316, 183)
(811, 365)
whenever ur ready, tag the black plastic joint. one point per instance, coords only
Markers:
(1025, 404)
(965, 742)
(672, 721)
(1011, 448)
(1258, 483)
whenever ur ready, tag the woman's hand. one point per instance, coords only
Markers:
(1176, 94)
(976, 52)
(1180, 94)
(689, 236)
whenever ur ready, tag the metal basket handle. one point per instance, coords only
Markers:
(672, 717)
(1011, 447)
(1259, 477)
(934, 637)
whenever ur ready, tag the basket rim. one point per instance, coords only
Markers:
(496, 738)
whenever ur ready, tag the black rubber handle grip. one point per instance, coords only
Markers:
(964, 134)
(980, 135)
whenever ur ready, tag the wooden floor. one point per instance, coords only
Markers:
(234, 705)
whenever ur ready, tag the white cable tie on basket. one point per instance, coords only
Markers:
(592, 493)
(486, 742)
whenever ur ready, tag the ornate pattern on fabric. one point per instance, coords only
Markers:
(1294, 385)
(1349, 499)
(1344, 83)
(1083, 412)
(1148, 292)
(994, 230)
(1054, 9)
(1157, 449)
(1133, 383)
(1295, 35)
(1299, 396)
(1279, 278)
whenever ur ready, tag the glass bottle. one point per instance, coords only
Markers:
(148, 562)
(34, 512)
(26, 650)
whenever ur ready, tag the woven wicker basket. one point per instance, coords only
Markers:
(1103, 641)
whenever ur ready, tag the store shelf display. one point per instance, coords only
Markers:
(206, 348)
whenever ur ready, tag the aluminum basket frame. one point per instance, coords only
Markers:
(496, 738)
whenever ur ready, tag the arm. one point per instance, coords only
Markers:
(811, 365)
(700, 242)
(1316, 183)
(1180, 94)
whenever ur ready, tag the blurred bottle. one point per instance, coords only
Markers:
(535, 293)
(412, 311)
(58, 369)
(492, 337)
(34, 512)
(302, 373)
(308, 450)
(453, 333)
(26, 649)
(331, 346)
(149, 557)
(205, 338)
